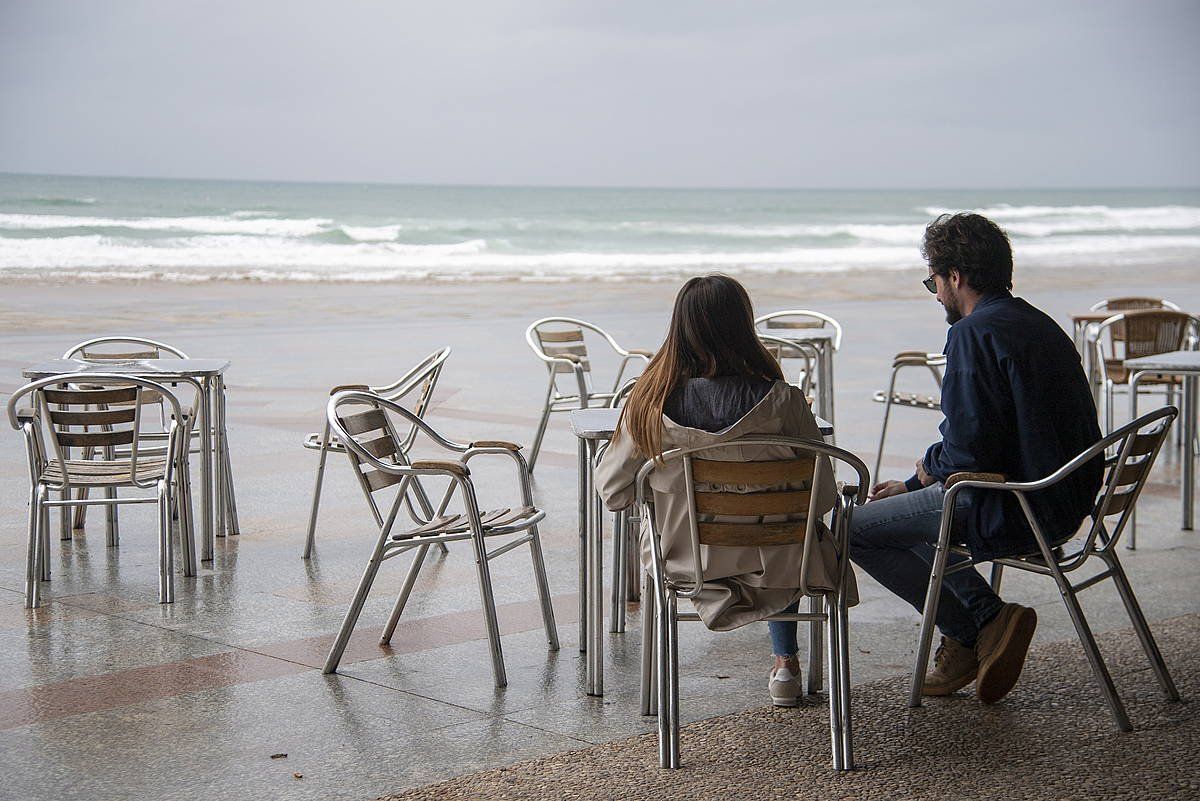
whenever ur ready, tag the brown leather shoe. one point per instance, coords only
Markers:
(954, 667)
(1001, 651)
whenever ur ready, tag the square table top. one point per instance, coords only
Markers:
(602, 423)
(143, 368)
(1177, 361)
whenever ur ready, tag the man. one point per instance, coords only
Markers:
(1016, 402)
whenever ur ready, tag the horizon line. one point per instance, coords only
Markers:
(616, 187)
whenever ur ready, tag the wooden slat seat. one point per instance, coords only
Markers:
(91, 473)
(494, 521)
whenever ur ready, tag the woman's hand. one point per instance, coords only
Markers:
(886, 489)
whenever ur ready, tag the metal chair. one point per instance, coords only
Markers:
(1137, 444)
(564, 351)
(933, 362)
(788, 350)
(109, 413)
(113, 349)
(419, 382)
(1131, 334)
(792, 325)
(781, 490)
(1133, 303)
(368, 425)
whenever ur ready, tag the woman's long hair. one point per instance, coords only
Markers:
(711, 334)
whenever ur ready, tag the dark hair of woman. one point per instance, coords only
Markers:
(711, 334)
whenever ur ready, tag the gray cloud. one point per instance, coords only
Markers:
(855, 94)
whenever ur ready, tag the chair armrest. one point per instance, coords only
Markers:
(849, 490)
(496, 443)
(991, 478)
(454, 466)
(349, 387)
(27, 414)
(649, 354)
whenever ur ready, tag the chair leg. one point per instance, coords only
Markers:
(1088, 641)
(32, 557)
(668, 683)
(928, 621)
(633, 562)
(649, 688)
(187, 527)
(64, 517)
(81, 494)
(887, 411)
(1143, 631)
(112, 531)
(616, 612)
(843, 622)
(543, 588)
(997, 576)
(44, 537)
(410, 579)
(316, 501)
(360, 594)
(489, 606)
(834, 655)
(166, 547)
(814, 681)
(541, 430)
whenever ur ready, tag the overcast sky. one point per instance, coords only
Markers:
(646, 93)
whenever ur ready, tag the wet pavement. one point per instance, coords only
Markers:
(104, 693)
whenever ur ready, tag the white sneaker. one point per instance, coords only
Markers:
(784, 687)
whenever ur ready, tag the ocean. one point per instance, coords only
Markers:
(191, 230)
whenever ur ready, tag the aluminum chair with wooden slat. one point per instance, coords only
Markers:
(115, 349)
(564, 351)
(905, 359)
(369, 425)
(800, 326)
(1133, 303)
(419, 383)
(1136, 445)
(747, 505)
(1132, 334)
(114, 405)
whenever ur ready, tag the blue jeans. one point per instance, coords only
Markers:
(892, 539)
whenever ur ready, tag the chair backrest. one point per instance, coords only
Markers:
(369, 435)
(96, 413)
(1132, 303)
(122, 348)
(1147, 332)
(1137, 444)
(780, 322)
(782, 350)
(752, 504)
(420, 382)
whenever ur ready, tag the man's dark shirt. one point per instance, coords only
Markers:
(1016, 402)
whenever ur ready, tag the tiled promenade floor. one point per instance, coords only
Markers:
(106, 694)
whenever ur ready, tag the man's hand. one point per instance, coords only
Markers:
(922, 476)
(886, 489)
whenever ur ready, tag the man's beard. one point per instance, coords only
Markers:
(953, 315)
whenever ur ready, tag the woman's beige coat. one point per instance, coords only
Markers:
(755, 582)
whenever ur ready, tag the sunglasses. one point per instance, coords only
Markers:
(930, 284)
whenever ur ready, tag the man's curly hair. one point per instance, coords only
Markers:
(973, 245)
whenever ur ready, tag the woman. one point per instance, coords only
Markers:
(712, 381)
